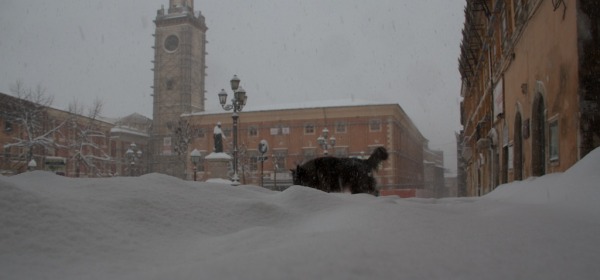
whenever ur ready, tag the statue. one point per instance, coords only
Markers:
(218, 137)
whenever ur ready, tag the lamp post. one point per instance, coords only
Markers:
(133, 155)
(237, 104)
(31, 165)
(324, 142)
(195, 156)
(263, 148)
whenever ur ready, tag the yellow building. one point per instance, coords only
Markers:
(530, 71)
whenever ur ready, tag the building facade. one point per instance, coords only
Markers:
(292, 135)
(78, 146)
(55, 140)
(530, 72)
(129, 145)
(433, 164)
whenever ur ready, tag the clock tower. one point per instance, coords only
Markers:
(179, 71)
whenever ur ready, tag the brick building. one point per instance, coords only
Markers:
(530, 72)
(120, 147)
(68, 143)
(292, 136)
(56, 140)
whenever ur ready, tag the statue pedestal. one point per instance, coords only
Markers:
(217, 166)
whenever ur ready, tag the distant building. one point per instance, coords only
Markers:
(292, 136)
(56, 140)
(530, 74)
(131, 133)
(433, 164)
(451, 185)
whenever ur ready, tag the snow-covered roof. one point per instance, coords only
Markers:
(301, 105)
(128, 130)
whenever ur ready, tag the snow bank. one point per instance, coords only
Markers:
(577, 189)
(159, 227)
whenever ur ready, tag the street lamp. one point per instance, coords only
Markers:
(195, 156)
(32, 165)
(133, 155)
(263, 148)
(324, 142)
(237, 104)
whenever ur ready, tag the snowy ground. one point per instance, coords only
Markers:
(158, 227)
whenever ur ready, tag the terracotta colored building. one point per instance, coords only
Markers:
(292, 136)
(55, 140)
(530, 71)
(68, 143)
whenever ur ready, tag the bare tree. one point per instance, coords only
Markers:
(183, 137)
(27, 110)
(85, 147)
(244, 162)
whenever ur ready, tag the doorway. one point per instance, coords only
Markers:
(518, 142)
(538, 136)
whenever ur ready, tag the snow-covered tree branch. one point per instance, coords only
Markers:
(86, 147)
(27, 113)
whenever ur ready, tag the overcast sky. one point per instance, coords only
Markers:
(284, 51)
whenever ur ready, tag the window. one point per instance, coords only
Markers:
(200, 133)
(166, 148)
(253, 131)
(8, 127)
(511, 156)
(253, 164)
(309, 128)
(506, 29)
(280, 130)
(553, 129)
(375, 125)
(253, 159)
(170, 84)
(279, 160)
(340, 127)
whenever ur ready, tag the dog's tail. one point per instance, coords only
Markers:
(379, 154)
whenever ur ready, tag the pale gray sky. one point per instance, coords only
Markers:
(285, 51)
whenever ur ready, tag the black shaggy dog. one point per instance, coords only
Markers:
(331, 174)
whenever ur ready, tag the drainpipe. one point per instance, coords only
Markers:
(492, 166)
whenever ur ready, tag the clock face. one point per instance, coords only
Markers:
(171, 43)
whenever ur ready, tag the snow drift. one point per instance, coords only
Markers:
(159, 227)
